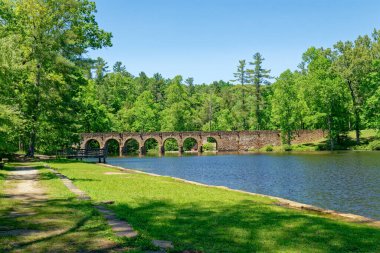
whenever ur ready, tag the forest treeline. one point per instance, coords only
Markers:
(50, 91)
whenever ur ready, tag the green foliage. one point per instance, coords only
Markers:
(209, 146)
(268, 148)
(57, 93)
(47, 38)
(285, 108)
(171, 145)
(189, 144)
(151, 145)
(131, 147)
(374, 145)
(287, 147)
(10, 125)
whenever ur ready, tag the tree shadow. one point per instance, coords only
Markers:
(63, 225)
(245, 227)
(67, 161)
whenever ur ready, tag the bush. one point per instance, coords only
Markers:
(268, 148)
(209, 146)
(374, 145)
(287, 147)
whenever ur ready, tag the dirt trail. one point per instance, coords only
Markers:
(34, 221)
(22, 184)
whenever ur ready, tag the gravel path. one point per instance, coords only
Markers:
(22, 184)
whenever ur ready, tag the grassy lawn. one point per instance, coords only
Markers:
(214, 219)
(60, 223)
(366, 137)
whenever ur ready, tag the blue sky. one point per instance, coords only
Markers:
(205, 39)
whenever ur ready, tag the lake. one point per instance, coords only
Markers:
(341, 181)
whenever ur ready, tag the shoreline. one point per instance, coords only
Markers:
(349, 217)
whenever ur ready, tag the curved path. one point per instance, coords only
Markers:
(32, 220)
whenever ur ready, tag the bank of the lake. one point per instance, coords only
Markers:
(343, 181)
(213, 219)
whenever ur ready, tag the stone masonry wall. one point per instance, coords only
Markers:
(226, 140)
(307, 136)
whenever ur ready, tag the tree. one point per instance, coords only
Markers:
(285, 112)
(50, 36)
(353, 65)
(118, 67)
(101, 68)
(372, 104)
(143, 116)
(190, 83)
(10, 124)
(241, 73)
(242, 76)
(177, 113)
(158, 87)
(324, 93)
(258, 76)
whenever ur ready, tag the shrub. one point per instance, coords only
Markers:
(209, 146)
(287, 147)
(268, 148)
(374, 145)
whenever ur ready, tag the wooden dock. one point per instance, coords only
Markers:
(100, 153)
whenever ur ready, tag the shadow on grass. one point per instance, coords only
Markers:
(49, 175)
(63, 225)
(246, 227)
(64, 160)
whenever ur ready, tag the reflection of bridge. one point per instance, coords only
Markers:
(226, 141)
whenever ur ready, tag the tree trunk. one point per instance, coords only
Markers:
(329, 121)
(244, 110)
(258, 118)
(356, 111)
(33, 134)
(357, 126)
(32, 144)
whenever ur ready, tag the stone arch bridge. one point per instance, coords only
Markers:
(226, 140)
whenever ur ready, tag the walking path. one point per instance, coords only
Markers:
(120, 227)
(22, 186)
(25, 185)
(32, 221)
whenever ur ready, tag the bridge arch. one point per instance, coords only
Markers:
(151, 144)
(191, 144)
(210, 143)
(131, 147)
(113, 147)
(92, 144)
(170, 144)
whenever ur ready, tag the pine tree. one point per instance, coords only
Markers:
(258, 76)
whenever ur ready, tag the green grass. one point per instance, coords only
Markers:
(213, 219)
(61, 223)
(369, 139)
(365, 134)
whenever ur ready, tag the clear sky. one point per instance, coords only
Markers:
(205, 39)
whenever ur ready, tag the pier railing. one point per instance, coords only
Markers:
(100, 153)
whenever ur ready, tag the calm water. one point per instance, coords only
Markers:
(347, 182)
